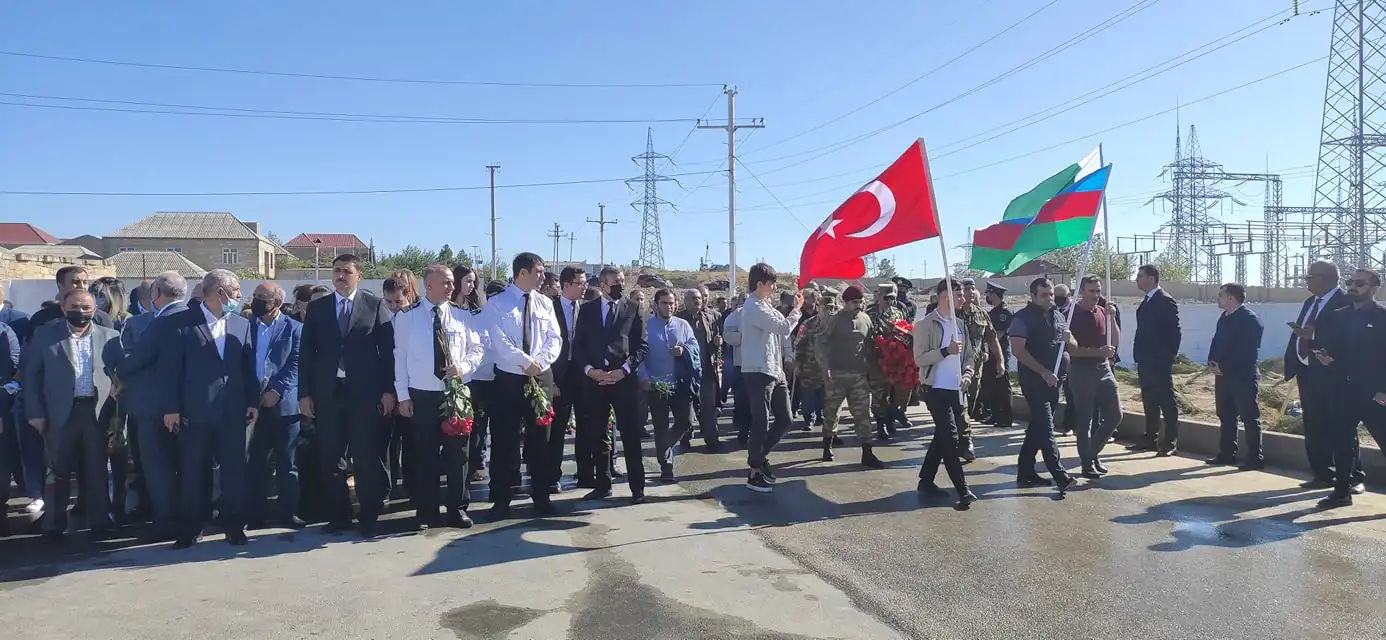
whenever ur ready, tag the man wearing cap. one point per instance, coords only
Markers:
(845, 349)
(981, 333)
(907, 306)
(994, 400)
(886, 399)
(808, 369)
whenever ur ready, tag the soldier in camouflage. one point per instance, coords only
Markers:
(887, 401)
(844, 346)
(981, 333)
(808, 369)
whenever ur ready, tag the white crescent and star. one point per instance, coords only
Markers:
(884, 197)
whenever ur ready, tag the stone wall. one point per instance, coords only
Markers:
(251, 255)
(23, 266)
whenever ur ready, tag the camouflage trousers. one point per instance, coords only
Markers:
(886, 397)
(856, 390)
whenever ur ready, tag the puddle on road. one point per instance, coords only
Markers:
(1199, 529)
(486, 620)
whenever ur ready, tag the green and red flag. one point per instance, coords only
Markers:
(1057, 213)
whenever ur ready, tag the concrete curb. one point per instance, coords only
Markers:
(1282, 450)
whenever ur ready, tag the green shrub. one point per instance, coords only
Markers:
(1288, 424)
(1273, 395)
(1186, 407)
(1274, 365)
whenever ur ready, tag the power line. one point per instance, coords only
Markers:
(273, 114)
(324, 76)
(916, 80)
(772, 194)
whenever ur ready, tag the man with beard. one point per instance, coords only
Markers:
(708, 330)
(1039, 338)
(982, 337)
(843, 346)
(994, 398)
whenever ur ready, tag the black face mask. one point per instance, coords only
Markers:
(259, 308)
(615, 291)
(78, 319)
(1060, 301)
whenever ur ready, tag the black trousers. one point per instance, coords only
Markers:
(600, 402)
(1039, 433)
(512, 419)
(350, 426)
(707, 407)
(1352, 405)
(1235, 398)
(481, 421)
(565, 406)
(78, 444)
(944, 406)
(995, 394)
(427, 435)
(1316, 399)
(1157, 396)
(741, 410)
(396, 445)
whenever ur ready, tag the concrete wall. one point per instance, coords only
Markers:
(1200, 439)
(20, 266)
(207, 253)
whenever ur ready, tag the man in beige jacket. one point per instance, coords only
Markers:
(944, 353)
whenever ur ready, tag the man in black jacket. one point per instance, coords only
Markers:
(1312, 377)
(1155, 348)
(346, 384)
(609, 347)
(70, 278)
(1352, 343)
(1233, 359)
(572, 282)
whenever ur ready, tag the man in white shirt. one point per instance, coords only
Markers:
(434, 342)
(525, 340)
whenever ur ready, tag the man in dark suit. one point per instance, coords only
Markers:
(210, 397)
(707, 328)
(70, 278)
(346, 384)
(572, 283)
(67, 370)
(609, 347)
(1312, 377)
(9, 443)
(155, 445)
(524, 339)
(1351, 343)
(1155, 348)
(1233, 358)
(275, 338)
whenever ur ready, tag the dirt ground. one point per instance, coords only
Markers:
(1193, 386)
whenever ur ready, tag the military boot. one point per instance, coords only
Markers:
(869, 459)
(828, 449)
(882, 432)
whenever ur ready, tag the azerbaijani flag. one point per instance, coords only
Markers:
(1057, 213)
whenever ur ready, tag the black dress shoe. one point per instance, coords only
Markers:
(930, 489)
(555, 489)
(585, 483)
(1064, 485)
(183, 542)
(1254, 465)
(1027, 482)
(1166, 453)
(965, 500)
(292, 522)
(252, 525)
(334, 528)
(714, 447)
(236, 537)
(1336, 500)
(638, 498)
(54, 537)
(101, 534)
(1139, 446)
(367, 529)
(597, 494)
(460, 520)
(545, 508)
(498, 512)
(1221, 461)
(1317, 483)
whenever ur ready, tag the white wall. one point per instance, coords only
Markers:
(27, 295)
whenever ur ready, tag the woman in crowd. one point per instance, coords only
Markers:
(466, 294)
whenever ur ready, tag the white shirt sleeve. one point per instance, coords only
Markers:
(505, 352)
(551, 336)
(401, 326)
(473, 350)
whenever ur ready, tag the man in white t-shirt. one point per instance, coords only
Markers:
(944, 355)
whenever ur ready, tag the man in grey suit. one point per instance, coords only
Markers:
(156, 446)
(209, 396)
(66, 380)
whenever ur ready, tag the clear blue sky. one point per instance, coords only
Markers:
(796, 64)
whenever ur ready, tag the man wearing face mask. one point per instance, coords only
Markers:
(71, 278)
(67, 378)
(210, 394)
(155, 445)
(275, 436)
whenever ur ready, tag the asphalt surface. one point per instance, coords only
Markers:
(1161, 548)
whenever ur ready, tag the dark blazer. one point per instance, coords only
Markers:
(367, 350)
(1293, 366)
(608, 348)
(194, 380)
(50, 382)
(281, 362)
(1157, 330)
(1355, 339)
(562, 366)
(9, 346)
(1237, 344)
(140, 340)
(18, 321)
(51, 314)
(706, 326)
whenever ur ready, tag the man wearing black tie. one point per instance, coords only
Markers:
(572, 284)
(346, 383)
(525, 340)
(1315, 387)
(609, 346)
(434, 341)
(1155, 348)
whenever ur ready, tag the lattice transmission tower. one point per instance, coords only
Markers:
(651, 240)
(1349, 215)
(1190, 199)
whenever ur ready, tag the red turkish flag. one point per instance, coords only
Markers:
(895, 209)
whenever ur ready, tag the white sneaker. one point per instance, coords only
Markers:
(35, 507)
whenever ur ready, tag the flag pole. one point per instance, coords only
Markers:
(1106, 248)
(947, 271)
(1073, 300)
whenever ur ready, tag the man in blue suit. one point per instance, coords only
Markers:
(9, 443)
(275, 437)
(156, 446)
(209, 396)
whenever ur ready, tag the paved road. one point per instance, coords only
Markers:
(1164, 548)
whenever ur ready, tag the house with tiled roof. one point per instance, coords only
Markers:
(70, 251)
(147, 264)
(325, 246)
(210, 240)
(15, 234)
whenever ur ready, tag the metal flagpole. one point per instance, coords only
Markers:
(1106, 247)
(947, 273)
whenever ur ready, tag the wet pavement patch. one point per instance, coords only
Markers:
(487, 619)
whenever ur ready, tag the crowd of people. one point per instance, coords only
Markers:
(177, 409)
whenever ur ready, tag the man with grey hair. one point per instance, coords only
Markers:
(274, 440)
(1315, 384)
(154, 446)
(208, 396)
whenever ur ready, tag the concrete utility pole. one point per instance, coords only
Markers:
(492, 168)
(556, 234)
(731, 127)
(572, 237)
(601, 223)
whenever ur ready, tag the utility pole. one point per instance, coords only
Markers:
(492, 168)
(556, 234)
(572, 237)
(601, 223)
(731, 127)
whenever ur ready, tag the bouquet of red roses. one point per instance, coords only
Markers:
(895, 356)
(456, 411)
(539, 403)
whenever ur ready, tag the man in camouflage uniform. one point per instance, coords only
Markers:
(843, 343)
(980, 332)
(886, 400)
(808, 368)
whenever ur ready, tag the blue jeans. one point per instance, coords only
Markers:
(1039, 434)
(811, 402)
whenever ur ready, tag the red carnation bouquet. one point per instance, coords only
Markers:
(895, 356)
(456, 411)
(539, 403)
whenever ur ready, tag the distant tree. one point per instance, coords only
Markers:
(885, 268)
(1069, 259)
(1172, 270)
(445, 255)
(963, 270)
(273, 237)
(411, 257)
